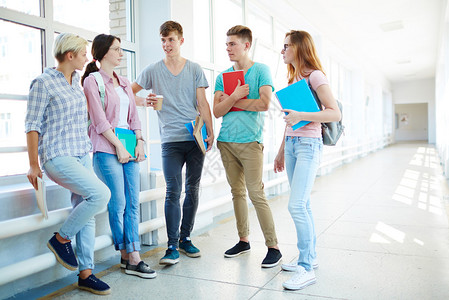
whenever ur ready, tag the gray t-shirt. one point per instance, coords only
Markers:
(179, 105)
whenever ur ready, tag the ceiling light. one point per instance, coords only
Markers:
(392, 26)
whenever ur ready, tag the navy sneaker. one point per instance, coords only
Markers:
(141, 269)
(171, 256)
(123, 263)
(272, 259)
(94, 285)
(186, 247)
(64, 253)
(239, 248)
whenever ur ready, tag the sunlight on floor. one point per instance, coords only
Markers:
(418, 186)
(388, 231)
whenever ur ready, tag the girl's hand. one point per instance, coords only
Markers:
(32, 175)
(140, 152)
(279, 162)
(123, 156)
(293, 117)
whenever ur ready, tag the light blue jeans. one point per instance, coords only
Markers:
(89, 197)
(302, 159)
(124, 182)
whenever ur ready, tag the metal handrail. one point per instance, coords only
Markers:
(44, 261)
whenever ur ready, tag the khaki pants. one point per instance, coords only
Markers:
(244, 166)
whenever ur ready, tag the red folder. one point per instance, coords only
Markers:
(230, 81)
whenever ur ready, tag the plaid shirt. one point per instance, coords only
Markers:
(58, 112)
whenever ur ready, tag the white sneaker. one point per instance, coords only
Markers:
(291, 267)
(300, 279)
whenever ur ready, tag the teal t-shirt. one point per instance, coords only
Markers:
(245, 126)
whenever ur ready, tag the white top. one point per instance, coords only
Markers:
(124, 107)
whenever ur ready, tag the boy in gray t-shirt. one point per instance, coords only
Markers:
(182, 84)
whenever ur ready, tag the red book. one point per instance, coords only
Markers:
(230, 81)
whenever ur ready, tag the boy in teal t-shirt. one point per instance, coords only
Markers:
(240, 141)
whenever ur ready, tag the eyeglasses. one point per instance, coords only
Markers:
(117, 49)
(286, 46)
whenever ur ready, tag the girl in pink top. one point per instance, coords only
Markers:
(301, 151)
(111, 160)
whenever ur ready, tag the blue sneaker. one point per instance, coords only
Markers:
(186, 247)
(64, 253)
(94, 285)
(171, 256)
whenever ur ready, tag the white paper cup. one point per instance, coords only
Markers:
(158, 105)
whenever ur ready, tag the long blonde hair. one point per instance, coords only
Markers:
(305, 55)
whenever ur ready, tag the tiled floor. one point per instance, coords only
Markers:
(382, 230)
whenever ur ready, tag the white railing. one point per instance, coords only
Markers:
(31, 223)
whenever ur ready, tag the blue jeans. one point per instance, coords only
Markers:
(174, 156)
(89, 197)
(302, 159)
(124, 182)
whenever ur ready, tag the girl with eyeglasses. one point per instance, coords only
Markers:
(112, 163)
(301, 150)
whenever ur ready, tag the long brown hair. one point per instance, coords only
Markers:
(100, 46)
(305, 54)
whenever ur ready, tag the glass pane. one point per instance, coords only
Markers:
(89, 14)
(228, 13)
(260, 24)
(201, 30)
(12, 134)
(14, 163)
(19, 46)
(30, 7)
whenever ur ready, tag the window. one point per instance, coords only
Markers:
(22, 61)
(201, 28)
(5, 125)
(228, 13)
(95, 14)
(260, 24)
(26, 49)
(30, 7)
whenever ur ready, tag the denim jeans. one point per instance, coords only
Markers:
(124, 182)
(89, 197)
(174, 156)
(302, 159)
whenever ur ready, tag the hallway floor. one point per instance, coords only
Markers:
(382, 233)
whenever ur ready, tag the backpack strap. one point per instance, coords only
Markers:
(101, 87)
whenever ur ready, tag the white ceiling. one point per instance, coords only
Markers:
(408, 53)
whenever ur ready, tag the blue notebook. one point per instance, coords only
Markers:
(128, 139)
(297, 96)
(199, 135)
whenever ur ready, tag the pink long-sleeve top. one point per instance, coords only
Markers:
(108, 118)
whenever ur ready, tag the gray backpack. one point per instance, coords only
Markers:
(331, 131)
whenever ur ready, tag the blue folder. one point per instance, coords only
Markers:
(128, 139)
(297, 96)
(190, 127)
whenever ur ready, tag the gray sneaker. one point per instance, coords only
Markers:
(141, 269)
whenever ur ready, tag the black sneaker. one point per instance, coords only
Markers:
(272, 259)
(141, 270)
(123, 263)
(94, 285)
(64, 253)
(239, 248)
